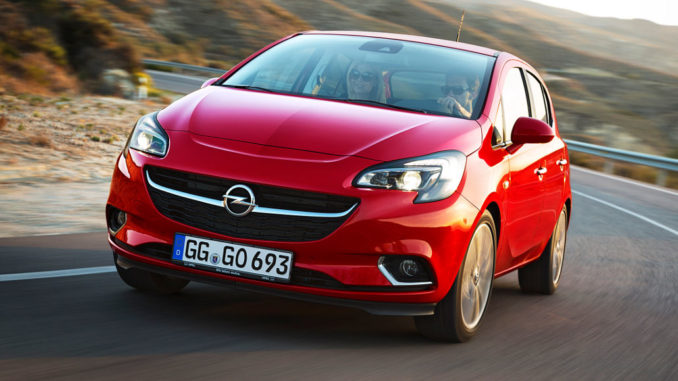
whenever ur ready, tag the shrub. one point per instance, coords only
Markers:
(36, 100)
(92, 43)
(40, 141)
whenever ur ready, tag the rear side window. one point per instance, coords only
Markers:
(514, 100)
(540, 109)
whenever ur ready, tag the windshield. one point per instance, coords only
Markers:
(382, 72)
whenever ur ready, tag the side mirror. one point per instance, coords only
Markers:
(530, 130)
(209, 82)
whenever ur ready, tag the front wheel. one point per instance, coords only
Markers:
(458, 316)
(543, 275)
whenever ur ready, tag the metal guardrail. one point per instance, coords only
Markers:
(659, 162)
(663, 164)
(184, 66)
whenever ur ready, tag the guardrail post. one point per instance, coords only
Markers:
(661, 178)
(608, 167)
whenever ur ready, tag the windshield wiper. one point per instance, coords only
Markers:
(381, 104)
(247, 87)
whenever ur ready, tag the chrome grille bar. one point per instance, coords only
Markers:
(257, 208)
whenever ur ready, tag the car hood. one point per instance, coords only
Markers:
(317, 125)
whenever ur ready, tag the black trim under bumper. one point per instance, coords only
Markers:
(375, 308)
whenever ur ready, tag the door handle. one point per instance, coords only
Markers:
(540, 171)
(561, 162)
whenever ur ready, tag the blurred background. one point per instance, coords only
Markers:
(613, 81)
(69, 72)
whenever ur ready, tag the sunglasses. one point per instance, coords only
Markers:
(457, 90)
(365, 76)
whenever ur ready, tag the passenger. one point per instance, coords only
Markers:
(363, 82)
(457, 98)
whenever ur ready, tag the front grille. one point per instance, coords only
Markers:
(270, 227)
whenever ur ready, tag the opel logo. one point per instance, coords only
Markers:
(239, 200)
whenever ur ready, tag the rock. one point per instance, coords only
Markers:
(117, 82)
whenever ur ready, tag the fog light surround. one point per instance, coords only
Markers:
(405, 270)
(115, 218)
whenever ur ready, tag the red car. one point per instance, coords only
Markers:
(392, 173)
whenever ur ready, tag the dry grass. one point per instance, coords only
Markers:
(629, 170)
(40, 141)
(284, 15)
(59, 145)
(37, 74)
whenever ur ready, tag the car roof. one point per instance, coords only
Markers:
(411, 38)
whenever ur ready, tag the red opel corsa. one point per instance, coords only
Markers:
(392, 173)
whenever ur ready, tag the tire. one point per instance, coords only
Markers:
(458, 316)
(543, 275)
(151, 282)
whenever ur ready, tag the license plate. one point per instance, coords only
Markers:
(232, 259)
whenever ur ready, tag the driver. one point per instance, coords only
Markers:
(457, 96)
(362, 82)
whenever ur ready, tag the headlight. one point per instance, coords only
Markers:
(148, 136)
(435, 177)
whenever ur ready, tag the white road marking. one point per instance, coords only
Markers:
(56, 273)
(625, 180)
(634, 214)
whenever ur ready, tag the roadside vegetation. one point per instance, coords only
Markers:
(59, 46)
(613, 82)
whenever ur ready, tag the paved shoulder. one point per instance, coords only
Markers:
(54, 252)
(177, 83)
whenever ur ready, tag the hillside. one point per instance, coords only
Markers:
(49, 46)
(613, 81)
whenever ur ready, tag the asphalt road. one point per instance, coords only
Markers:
(177, 83)
(614, 316)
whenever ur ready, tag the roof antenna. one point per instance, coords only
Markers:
(460, 24)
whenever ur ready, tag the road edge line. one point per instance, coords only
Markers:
(634, 214)
(625, 180)
(56, 273)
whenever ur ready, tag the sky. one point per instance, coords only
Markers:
(659, 11)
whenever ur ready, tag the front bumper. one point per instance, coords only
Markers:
(375, 308)
(342, 267)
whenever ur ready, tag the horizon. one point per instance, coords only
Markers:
(661, 12)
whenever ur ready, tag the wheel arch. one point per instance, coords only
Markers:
(568, 206)
(494, 210)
